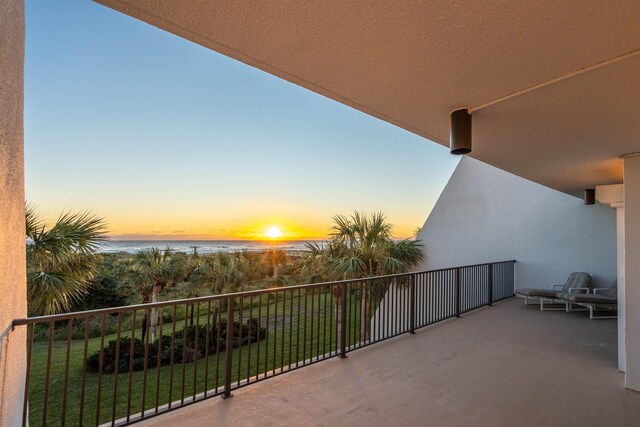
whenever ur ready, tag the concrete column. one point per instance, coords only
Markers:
(613, 196)
(622, 361)
(632, 270)
(13, 297)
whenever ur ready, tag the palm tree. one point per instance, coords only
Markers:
(315, 266)
(361, 246)
(152, 271)
(61, 260)
(195, 277)
(252, 265)
(276, 257)
(209, 271)
(227, 274)
(220, 271)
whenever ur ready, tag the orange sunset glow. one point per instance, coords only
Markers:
(191, 222)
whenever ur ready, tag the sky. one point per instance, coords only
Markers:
(166, 139)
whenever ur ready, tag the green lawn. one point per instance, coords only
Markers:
(314, 329)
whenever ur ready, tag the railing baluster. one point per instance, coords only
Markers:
(228, 349)
(391, 312)
(343, 322)
(379, 318)
(240, 314)
(290, 326)
(196, 350)
(131, 351)
(116, 369)
(207, 344)
(330, 314)
(66, 373)
(47, 375)
(324, 326)
(25, 404)
(304, 329)
(159, 364)
(218, 333)
(185, 341)
(313, 292)
(249, 338)
(457, 292)
(298, 331)
(147, 322)
(284, 307)
(412, 304)
(348, 318)
(84, 370)
(318, 326)
(266, 342)
(100, 369)
(490, 283)
(171, 357)
(259, 331)
(275, 334)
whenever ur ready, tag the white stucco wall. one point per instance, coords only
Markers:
(13, 297)
(632, 270)
(485, 214)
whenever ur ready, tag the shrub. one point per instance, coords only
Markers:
(184, 347)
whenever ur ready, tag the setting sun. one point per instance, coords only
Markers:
(273, 232)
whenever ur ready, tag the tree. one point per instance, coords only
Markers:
(106, 286)
(154, 270)
(222, 272)
(276, 257)
(202, 273)
(61, 260)
(226, 273)
(193, 277)
(362, 246)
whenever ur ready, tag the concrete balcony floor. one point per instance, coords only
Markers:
(507, 365)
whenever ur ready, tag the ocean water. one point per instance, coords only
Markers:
(203, 246)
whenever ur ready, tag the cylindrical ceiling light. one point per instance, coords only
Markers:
(590, 196)
(460, 139)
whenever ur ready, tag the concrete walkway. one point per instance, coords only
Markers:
(507, 365)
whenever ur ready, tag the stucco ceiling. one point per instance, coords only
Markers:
(411, 62)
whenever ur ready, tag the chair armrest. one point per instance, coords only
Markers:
(596, 290)
(578, 290)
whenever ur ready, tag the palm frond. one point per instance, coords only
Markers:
(61, 261)
(359, 246)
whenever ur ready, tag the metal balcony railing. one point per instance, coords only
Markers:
(120, 365)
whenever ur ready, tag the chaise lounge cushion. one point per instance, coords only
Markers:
(541, 293)
(589, 299)
(610, 297)
(575, 280)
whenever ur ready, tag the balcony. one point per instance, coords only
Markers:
(507, 364)
(501, 365)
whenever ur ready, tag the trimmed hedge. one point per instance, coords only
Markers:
(183, 347)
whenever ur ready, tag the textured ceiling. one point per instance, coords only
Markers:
(412, 62)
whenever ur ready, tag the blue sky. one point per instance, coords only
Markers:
(167, 139)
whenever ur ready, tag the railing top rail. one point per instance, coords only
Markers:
(186, 301)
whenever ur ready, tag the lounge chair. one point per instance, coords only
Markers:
(605, 298)
(576, 281)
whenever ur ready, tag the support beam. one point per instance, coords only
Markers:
(13, 296)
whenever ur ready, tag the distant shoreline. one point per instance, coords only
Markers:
(204, 246)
